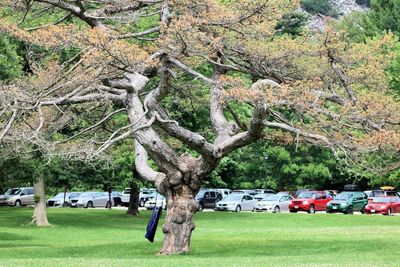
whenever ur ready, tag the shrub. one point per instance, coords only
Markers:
(323, 7)
(292, 23)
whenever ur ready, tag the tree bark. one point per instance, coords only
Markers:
(179, 223)
(39, 214)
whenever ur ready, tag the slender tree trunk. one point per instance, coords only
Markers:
(133, 207)
(65, 195)
(39, 214)
(179, 223)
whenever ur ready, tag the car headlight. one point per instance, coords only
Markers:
(343, 204)
(382, 207)
(305, 202)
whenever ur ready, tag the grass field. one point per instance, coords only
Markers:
(97, 237)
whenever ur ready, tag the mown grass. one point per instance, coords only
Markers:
(97, 237)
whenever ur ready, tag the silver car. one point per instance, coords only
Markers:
(161, 201)
(92, 199)
(58, 200)
(18, 196)
(236, 202)
(274, 203)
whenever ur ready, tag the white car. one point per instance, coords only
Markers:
(144, 195)
(92, 199)
(161, 201)
(58, 200)
(274, 203)
(236, 202)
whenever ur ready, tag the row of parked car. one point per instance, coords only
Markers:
(308, 200)
(375, 201)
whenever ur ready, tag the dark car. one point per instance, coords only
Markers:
(207, 198)
(347, 202)
(117, 197)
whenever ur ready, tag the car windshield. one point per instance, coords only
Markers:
(307, 195)
(235, 197)
(271, 198)
(382, 200)
(127, 191)
(343, 196)
(86, 194)
(60, 195)
(13, 191)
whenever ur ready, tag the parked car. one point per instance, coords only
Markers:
(236, 202)
(264, 191)
(19, 196)
(347, 202)
(286, 193)
(301, 190)
(117, 197)
(258, 197)
(92, 199)
(144, 195)
(351, 187)
(159, 201)
(274, 203)
(223, 191)
(310, 201)
(386, 205)
(379, 193)
(58, 200)
(207, 198)
(245, 191)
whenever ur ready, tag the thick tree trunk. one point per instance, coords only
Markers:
(179, 223)
(133, 208)
(39, 214)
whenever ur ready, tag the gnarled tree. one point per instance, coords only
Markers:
(315, 88)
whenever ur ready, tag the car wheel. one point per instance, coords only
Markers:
(201, 207)
(349, 210)
(238, 208)
(312, 209)
(108, 205)
(89, 204)
(389, 213)
(65, 204)
(17, 203)
(277, 209)
(362, 210)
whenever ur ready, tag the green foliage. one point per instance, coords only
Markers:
(393, 73)
(292, 23)
(287, 168)
(323, 7)
(384, 16)
(10, 61)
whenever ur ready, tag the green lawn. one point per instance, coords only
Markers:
(97, 237)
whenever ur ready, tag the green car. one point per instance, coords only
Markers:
(348, 202)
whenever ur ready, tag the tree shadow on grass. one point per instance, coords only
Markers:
(13, 237)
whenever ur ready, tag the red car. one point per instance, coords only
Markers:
(386, 205)
(310, 201)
